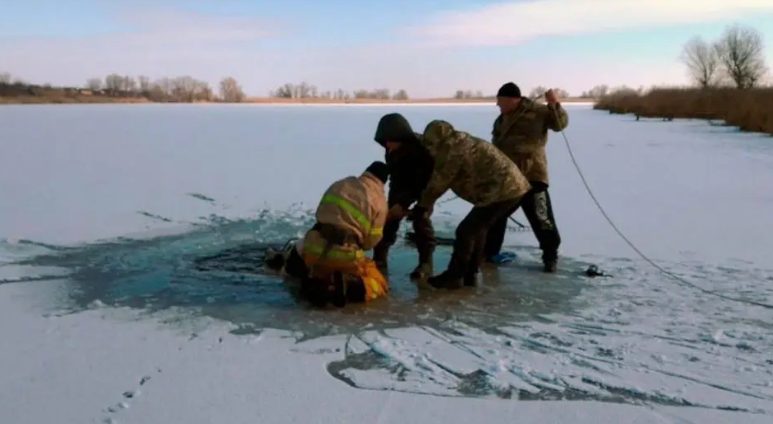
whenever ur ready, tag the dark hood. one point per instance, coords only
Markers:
(394, 127)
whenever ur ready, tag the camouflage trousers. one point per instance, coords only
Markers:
(538, 209)
(471, 234)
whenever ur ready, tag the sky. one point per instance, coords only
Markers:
(431, 48)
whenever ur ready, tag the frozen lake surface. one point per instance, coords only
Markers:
(115, 217)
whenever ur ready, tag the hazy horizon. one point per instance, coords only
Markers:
(429, 48)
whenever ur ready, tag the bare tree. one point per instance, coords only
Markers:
(113, 83)
(702, 62)
(159, 91)
(741, 53)
(468, 94)
(382, 93)
(5, 78)
(596, 92)
(537, 91)
(231, 91)
(94, 84)
(144, 84)
(188, 89)
(285, 91)
(401, 95)
(128, 85)
(304, 90)
(624, 90)
(202, 92)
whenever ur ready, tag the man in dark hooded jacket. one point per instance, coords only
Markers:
(410, 167)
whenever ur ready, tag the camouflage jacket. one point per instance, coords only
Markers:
(523, 134)
(356, 205)
(472, 168)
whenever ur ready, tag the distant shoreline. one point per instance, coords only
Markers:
(267, 101)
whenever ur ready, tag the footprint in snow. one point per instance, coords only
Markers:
(118, 407)
(128, 396)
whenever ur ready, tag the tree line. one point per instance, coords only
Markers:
(305, 90)
(539, 91)
(179, 89)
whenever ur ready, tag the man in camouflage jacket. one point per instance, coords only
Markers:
(479, 173)
(521, 132)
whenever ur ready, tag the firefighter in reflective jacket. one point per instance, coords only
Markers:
(330, 261)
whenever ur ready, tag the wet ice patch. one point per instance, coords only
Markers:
(637, 337)
(640, 339)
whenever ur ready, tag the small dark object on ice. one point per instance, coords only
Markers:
(594, 271)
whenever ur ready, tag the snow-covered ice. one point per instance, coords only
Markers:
(130, 292)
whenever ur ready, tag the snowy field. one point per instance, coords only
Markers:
(130, 288)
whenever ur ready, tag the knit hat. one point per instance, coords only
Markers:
(509, 90)
(379, 170)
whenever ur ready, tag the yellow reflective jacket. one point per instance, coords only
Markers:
(356, 205)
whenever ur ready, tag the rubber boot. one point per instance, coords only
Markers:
(338, 295)
(380, 257)
(446, 280)
(316, 291)
(551, 264)
(424, 269)
(471, 279)
(421, 272)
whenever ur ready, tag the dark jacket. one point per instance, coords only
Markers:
(410, 166)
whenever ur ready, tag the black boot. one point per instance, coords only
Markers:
(315, 290)
(422, 271)
(551, 263)
(380, 257)
(446, 280)
(338, 294)
(471, 279)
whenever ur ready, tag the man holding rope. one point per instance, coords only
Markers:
(521, 132)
